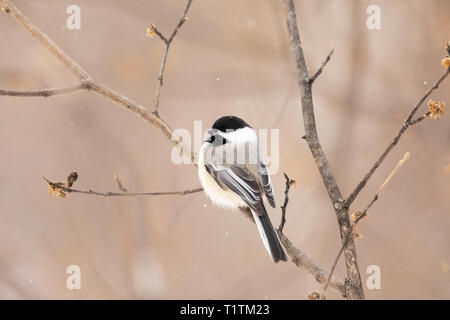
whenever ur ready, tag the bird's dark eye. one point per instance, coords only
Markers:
(217, 139)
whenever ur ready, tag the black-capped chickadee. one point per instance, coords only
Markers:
(233, 176)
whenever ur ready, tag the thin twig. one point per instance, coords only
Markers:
(131, 194)
(158, 33)
(43, 92)
(289, 182)
(119, 183)
(120, 194)
(416, 121)
(330, 275)
(182, 20)
(355, 289)
(319, 71)
(357, 218)
(167, 43)
(407, 123)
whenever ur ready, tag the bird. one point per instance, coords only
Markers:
(234, 177)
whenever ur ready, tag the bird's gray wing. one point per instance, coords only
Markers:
(266, 184)
(239, 180)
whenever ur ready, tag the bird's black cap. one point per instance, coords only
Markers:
(229, 123)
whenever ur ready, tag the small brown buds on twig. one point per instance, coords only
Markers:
(446, 62)
(54, 189)
(59, 189)
(314, 296)
(357, 235)
(6, 9)
(151, 31)
(357, 215)
(73, 176)
(436, 109)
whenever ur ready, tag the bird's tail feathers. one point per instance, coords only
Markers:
(269, 236)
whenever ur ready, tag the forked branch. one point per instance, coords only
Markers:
(354, 290)
(357, 217)
(167, 42)
(407, 123)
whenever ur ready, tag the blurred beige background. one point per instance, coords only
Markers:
(231, 57)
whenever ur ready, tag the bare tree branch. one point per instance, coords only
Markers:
(355, 289)
(358, 216)
(42, 93)
(407, 123)
(88, 82)
(167, 42)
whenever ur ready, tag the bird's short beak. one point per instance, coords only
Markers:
(211, 133)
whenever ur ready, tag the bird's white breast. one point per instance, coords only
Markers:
(218, 196)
